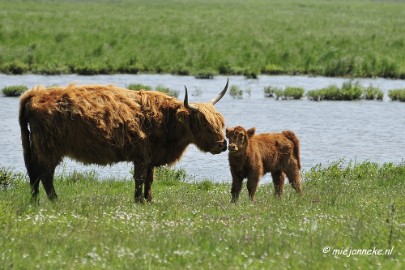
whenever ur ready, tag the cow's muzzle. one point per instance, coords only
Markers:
(220, 147)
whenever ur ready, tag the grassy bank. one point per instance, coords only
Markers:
(96, 225)
(359, 38)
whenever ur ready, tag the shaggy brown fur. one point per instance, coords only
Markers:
(251, 156)
(106, 124)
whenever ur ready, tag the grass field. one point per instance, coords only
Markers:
(346, 211)
(361, 38)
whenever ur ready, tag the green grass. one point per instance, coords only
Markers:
(397, 94)
(361, 38)
(95, 224)
(14, 90)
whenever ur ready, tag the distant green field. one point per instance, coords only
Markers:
(350, 217)
(361, 38)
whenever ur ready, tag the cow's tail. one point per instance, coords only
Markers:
(291, 136)
(25, 133)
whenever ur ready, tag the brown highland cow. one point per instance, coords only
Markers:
(106, 124)
(251, 156)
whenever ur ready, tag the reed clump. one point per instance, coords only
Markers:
(397, 95)
(14, 90)
(236, 92)
(372, 93)
(289, 93)
(349, 91)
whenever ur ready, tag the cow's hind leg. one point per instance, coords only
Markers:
(278, 181)
(47, 182)
(34, 175)
(44, 173)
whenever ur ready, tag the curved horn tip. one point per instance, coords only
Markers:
(188, 106)
(217, 98)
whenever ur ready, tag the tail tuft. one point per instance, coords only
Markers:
(25, 133)
(291, 136)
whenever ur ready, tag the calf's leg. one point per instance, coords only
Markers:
(252, 183)
(278, 181)
(294, 176)
(236, 188)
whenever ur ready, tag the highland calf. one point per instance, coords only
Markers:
(251, 156)
(106, 124)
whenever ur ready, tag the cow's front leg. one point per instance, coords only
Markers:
(140, 175)
(148, 184)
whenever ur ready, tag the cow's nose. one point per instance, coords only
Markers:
(222, 145)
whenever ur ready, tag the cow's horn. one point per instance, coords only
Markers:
(188, 106)
(215, 100)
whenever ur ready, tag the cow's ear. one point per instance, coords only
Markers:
(227, 130)
(182, 115)
(251, 132)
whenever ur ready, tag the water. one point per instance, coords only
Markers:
(353, 130)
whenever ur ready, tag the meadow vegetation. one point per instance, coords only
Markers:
(96, 225)
(360, 38)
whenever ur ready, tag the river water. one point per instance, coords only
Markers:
(329, 130)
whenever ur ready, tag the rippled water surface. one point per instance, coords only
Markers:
(329, 131)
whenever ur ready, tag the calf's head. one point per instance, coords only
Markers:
(238, 139)
(204, 124)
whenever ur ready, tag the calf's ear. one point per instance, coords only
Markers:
(251, 132)
(227, 130)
